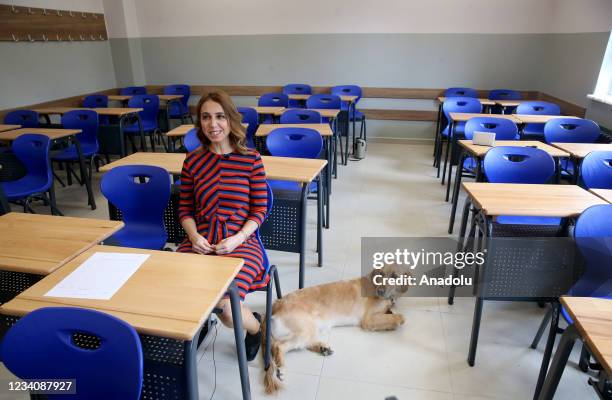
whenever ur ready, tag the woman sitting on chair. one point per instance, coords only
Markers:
(223, 200)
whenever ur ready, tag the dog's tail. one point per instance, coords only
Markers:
(272, 378)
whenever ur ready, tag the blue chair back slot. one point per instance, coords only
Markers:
(273, 100)
(460, 92)
(76, 343)
(95, 101)
(571, 130)
(504, 129)
(25, 118)
(504, 94)
(182, 108)
(300, 117)
(596, 170)
(133, 90)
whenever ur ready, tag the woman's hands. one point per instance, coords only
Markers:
(202, 246)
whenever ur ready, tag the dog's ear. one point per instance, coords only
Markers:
(368, 288)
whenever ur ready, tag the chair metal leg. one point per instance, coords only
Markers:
(585, 357)
(279, 294)
(538, 336)
(268, 338)
(546, 385)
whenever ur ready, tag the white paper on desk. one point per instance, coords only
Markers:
(99, 277)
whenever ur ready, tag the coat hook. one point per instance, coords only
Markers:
(83, 15)
(70, 38)
(57, 36)
(30, 38)
(45, 38)
(92, 37)
(44, 12)
(70, 13)
(82, 38)
(95, 16)
(101, 37)
(30, 11)
(15, 39)
(14, 10)
(59, 13)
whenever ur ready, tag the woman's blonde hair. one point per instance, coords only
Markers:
(237, 135)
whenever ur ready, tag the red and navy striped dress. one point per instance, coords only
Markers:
(222, 192)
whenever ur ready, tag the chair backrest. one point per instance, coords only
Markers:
(593, 235)
(571, 130)
(462, 105)
(504, 94)
(140, 192)
(538, 108)
(183, 90)
(33, 152)
(191, 140)
(326, 101)
(300, 117)
(509, 164)
(250, 116)
(76, 343)
(133, 90)
(294, 142)
(95, 101)
(347, 90)
(149, 105)
(297, 88)
(25, 118)
(87, 122)
(460, 92)
(596, 170)
(504, 129)
(273, 100)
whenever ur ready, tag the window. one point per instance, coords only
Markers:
(603, 89)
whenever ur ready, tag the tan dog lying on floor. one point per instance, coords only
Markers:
(299, 319)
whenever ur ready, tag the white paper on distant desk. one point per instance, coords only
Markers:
(99, 277)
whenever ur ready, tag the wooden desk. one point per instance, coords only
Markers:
(304, 97)
(483, 101)
(563, 201)
(57, 134)
(580, 150)
(39, 244)
(169, 296)
(265, 129)
(593, 323)
(468, 149)
(462, 117)
(269, 110)
(182, 130)
(325, 112)
(4, 127)
(605, 194)
(300, 170)
(509, 103)
(538, 119)
(162, 97)
(110, 111)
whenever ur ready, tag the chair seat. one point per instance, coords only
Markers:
(70, 153)
(287, 185)
(24, 187)
(177, 110)
(147, 126)
(512, 220)
(139, 236)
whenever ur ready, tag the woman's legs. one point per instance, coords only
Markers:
(250, 323)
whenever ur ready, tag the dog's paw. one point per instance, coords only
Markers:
(326, 351)
(399, 319)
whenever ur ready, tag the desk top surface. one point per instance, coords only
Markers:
(530, 200)
(49, 132)
(269, 110)
(265, 129)
(480, 151)
(170, 295)
(605, 194)
(112, 111)
(183, 129)
(483, 101)
(593, 319)
(4, 127)
(295, 96)
(460, 117)
(302, 170)
(164, 97)
(580, 150)
(39, 244)
(539, 119)
(325, 112)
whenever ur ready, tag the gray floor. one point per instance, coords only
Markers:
(393, 192)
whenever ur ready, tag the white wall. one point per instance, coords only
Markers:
(572, 16)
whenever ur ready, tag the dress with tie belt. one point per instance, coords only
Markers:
(221, 192)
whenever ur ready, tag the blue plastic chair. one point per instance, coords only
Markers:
(25, 118)
(504, 94)
(87, 122)
(32, 150)
(191, 140)
(460, 92)
(250, 116)
(536, 108)
(593, 236)
(141, 193)
(133, 90)
(47, 344)
(324, 101)
(301, 117)
(596, 170)
(180, 109)
(148, 119)
(509, 164)
(296, 143)
(571, 130)
(297, 88)
(504, 129)
(355, 115)
(97, 101)
(272, 100)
